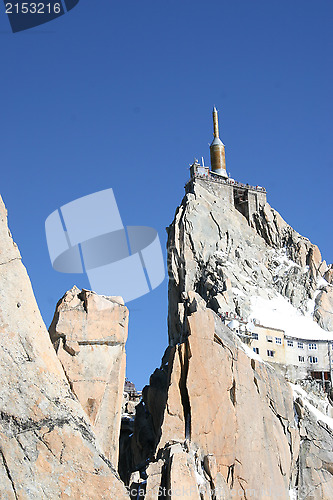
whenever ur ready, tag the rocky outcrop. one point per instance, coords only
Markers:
(226, 425)
(329, 274)
(89, 333)
(232, 416)
(216, 422)
(323, 311)
(214, 251)
(316, 449)
(278, 234)
(48, 449)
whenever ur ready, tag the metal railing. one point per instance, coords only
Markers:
(230, 182)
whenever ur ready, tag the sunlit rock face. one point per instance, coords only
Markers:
(48, 449)
(215, 420)
(89, 333)
(215, 251)
(226, 420)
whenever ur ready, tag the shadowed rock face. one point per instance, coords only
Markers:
(89, 333)
(48, 449)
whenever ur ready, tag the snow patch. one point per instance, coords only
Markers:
(200, 479)
(252, 354)
(284, 263)
(300, 392)
(238, 292)
(279, 313)
(322, 282)
(293, 494)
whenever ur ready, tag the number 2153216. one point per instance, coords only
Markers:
(33, 8)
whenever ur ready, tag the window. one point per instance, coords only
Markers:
(312, 347)
(278, 340)
(270, 353)
(256, 350)
(290, 343)
(255, 336)
(313, 359)
(301, 359)
(300, 345)
(269, 338)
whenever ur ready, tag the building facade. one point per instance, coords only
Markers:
(269, 343)
(296, 357)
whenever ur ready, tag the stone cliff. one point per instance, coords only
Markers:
(213, 250)
(219, 423)
(48, 449)
(215, 421)
(89, 333)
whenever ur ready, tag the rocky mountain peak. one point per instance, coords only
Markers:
(216, 421)
(228, 259)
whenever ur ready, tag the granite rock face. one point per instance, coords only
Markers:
(213, 250)
(226, 426)
(329, 274)
(48, 449)
(315, 456)
(216, 422)
(278, 234)
(323, 312)
(222, 424)
(89, 333)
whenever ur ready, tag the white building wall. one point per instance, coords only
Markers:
(311, 349)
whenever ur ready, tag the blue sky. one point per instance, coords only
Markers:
(119, 94)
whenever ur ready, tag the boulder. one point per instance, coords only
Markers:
(89, 333)
(324, 308)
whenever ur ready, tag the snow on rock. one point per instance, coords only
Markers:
(299, 392)
(279, 313)
(293, 494)
(251, 353)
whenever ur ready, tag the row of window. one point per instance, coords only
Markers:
(269, 352)
(312, 359)
(312, 346)
(301, 359)
(290, 343)
(278, 340)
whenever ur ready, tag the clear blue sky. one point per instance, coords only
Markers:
(119, 94)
